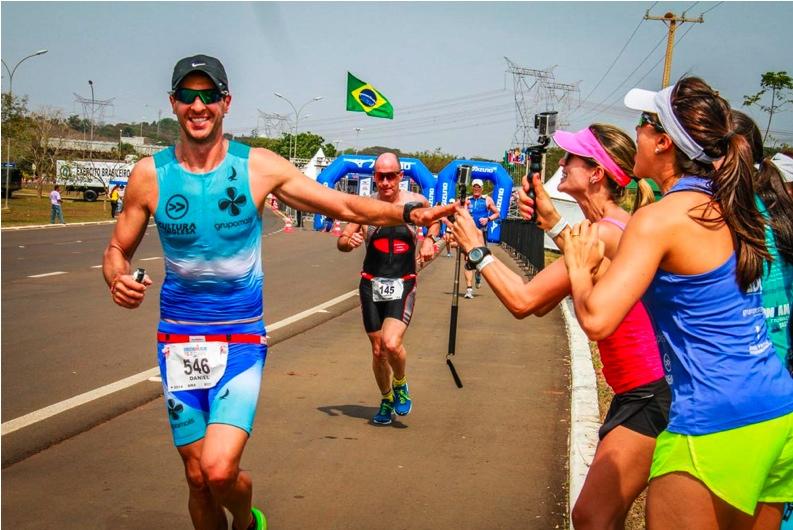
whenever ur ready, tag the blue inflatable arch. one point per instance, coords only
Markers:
(446, 189)
(364, 164)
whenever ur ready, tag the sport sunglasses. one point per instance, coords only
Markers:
(188, 95)
(647, 118)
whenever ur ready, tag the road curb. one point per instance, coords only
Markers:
(584, 413)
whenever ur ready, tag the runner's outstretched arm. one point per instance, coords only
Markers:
(127, 235)
(287, 183)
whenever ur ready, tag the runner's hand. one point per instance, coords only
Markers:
(355, 240)
(427, 250)
(547, 216)
(126, 292)
(426, 216)
(483, 221)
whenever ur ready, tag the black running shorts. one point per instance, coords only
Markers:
(374, 313)
(645, 409)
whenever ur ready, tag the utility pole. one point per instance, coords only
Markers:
(671, 20)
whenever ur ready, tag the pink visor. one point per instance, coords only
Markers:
(584, 143)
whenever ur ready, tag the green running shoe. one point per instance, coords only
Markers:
(259, 520)
(383, 416)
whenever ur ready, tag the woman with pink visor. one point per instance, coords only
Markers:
(595, 171)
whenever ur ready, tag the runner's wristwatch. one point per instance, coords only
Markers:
(475, 257)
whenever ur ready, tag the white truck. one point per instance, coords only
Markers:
(92, 177)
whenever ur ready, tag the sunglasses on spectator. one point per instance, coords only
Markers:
(648, 118)
(390, 175)
(188, 95)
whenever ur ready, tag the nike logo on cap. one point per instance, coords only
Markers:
(196, 65)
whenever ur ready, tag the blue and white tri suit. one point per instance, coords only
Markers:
(210, 230)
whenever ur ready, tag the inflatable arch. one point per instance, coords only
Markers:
(364, 164)
(446, 189)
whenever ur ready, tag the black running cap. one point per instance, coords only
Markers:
(204, 64)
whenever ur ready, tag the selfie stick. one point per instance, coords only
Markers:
(463, 175)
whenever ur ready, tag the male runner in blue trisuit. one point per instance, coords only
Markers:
(388, 287)
(480, 207)
(207, 195)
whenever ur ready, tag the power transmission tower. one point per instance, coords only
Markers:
(90, 107)
(275, 125)
(537, 91)
(671, 20)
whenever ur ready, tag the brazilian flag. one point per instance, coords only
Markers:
(362, 97)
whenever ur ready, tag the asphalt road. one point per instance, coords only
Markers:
(490, 455)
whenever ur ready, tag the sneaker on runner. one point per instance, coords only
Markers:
(402, 402)
(469, 293)
(383, 416)
(259, 521)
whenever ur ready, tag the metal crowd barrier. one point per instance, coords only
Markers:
(524, 240)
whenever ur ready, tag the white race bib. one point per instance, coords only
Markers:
(195, 365)
(387, 289)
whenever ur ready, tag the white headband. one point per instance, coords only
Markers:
(681, 138)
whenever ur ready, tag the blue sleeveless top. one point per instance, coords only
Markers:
(717, 356)
(478, 209)
(211, 231)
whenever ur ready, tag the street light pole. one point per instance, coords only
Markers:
(91, 152)
(11, 72)
(357, 131)
(297, 119)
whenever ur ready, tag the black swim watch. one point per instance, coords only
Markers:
(409, 207)
(475, 257)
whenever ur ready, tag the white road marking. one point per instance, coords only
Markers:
(149, 375)
(149, 259)
(47, 274)
(96, 266)
(47, 412)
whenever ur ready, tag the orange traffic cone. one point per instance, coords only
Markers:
(336, 228)
(288, 225)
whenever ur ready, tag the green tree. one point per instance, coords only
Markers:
(77, 123)
(16, 129)
(781, 86)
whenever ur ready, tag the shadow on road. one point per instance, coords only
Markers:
(359, 411)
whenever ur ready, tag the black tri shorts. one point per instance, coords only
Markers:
(644, 409)
(374, 313)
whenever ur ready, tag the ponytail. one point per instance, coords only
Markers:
(707, 118)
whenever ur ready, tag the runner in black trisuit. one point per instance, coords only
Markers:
(388, 287)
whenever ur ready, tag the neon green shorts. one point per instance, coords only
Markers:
(741, 466)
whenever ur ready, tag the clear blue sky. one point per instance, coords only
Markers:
(441, 64)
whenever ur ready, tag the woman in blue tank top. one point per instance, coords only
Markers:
(696, 259)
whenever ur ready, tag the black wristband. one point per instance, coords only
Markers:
(409, 207)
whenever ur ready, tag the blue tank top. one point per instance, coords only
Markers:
(211, 231)
(478, 209)
(717, 356)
